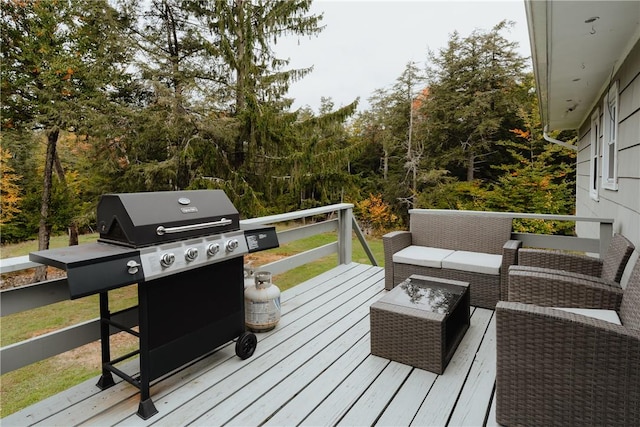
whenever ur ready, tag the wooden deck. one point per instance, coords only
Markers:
(315, 368)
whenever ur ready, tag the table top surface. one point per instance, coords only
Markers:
(427, 293)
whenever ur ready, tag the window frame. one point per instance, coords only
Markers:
(610, 136)
(594, 159)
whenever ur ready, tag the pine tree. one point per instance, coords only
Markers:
(471, 104)
(245, 31)
(62, 62)
(175, 73)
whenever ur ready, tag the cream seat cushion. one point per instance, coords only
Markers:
(475, 262)
(422, 255)
(606, 315)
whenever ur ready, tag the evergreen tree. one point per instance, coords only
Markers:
(320, 160)
(392, 127)
(257, 81)
(472, 99)
(407, 88)
(288, 159)
(535, 176)
(538, 177)
(167, 120)
(62, 64)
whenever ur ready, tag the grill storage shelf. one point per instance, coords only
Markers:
(184, 250)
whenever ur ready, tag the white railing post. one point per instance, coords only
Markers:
(345, 229)
(606, 234)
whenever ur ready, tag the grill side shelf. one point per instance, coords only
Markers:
(73, 256)
(93, 268)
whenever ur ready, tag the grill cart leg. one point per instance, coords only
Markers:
(106, 380)
(146, 409)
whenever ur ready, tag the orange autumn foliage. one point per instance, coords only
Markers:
(10, 197)
(375, 215)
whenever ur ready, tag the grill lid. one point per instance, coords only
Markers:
(145, 219)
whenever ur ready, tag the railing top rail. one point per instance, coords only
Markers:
(9, 265)
(549, 217)
(289, 216)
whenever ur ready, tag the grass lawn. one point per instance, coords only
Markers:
(26, 386)
(23, 248)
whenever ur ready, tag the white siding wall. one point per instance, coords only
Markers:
(624, 204)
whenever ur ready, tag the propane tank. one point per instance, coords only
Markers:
(249, 278)
(262, 303)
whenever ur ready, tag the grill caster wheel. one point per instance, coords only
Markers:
(246, 345)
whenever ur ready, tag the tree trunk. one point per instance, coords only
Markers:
(44, 230)
(73, 227)
(414, 181)
(173, 48)
(470, 167)
(73, 234)
(241, 75)
(240, 47)
(385, 165)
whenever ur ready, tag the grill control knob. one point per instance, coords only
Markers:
(213, 249)
(132, 267)
(191, 254)
(231, 245)
(167, 259)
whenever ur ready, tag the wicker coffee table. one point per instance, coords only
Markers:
(420, 322)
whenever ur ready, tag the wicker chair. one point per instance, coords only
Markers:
(555, 278)
(609, 268)
(560, 368)
(562, 285)
(548, 289)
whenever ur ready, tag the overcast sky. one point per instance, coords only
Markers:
(367, 43)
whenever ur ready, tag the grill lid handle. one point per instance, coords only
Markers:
(161, 230)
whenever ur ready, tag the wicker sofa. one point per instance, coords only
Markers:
(458, 245)
(559, 367)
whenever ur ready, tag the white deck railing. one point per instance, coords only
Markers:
(336, 218)
(570, 243)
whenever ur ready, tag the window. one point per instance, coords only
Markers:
(610, 139)
(595, 155)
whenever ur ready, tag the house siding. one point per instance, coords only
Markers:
(624, 204)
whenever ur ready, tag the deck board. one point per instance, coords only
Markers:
(443, 396)
(315, 368)
(340, 351)
(476, 395)
(322, 386)
(340, 400)
(404, 405)
(374, 400)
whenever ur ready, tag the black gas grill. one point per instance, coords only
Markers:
(185, 251)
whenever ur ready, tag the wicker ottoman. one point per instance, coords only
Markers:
(420, 322)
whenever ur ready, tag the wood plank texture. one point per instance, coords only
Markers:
(314, 368)
(443, 396)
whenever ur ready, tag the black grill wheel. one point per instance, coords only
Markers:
(246, 345)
